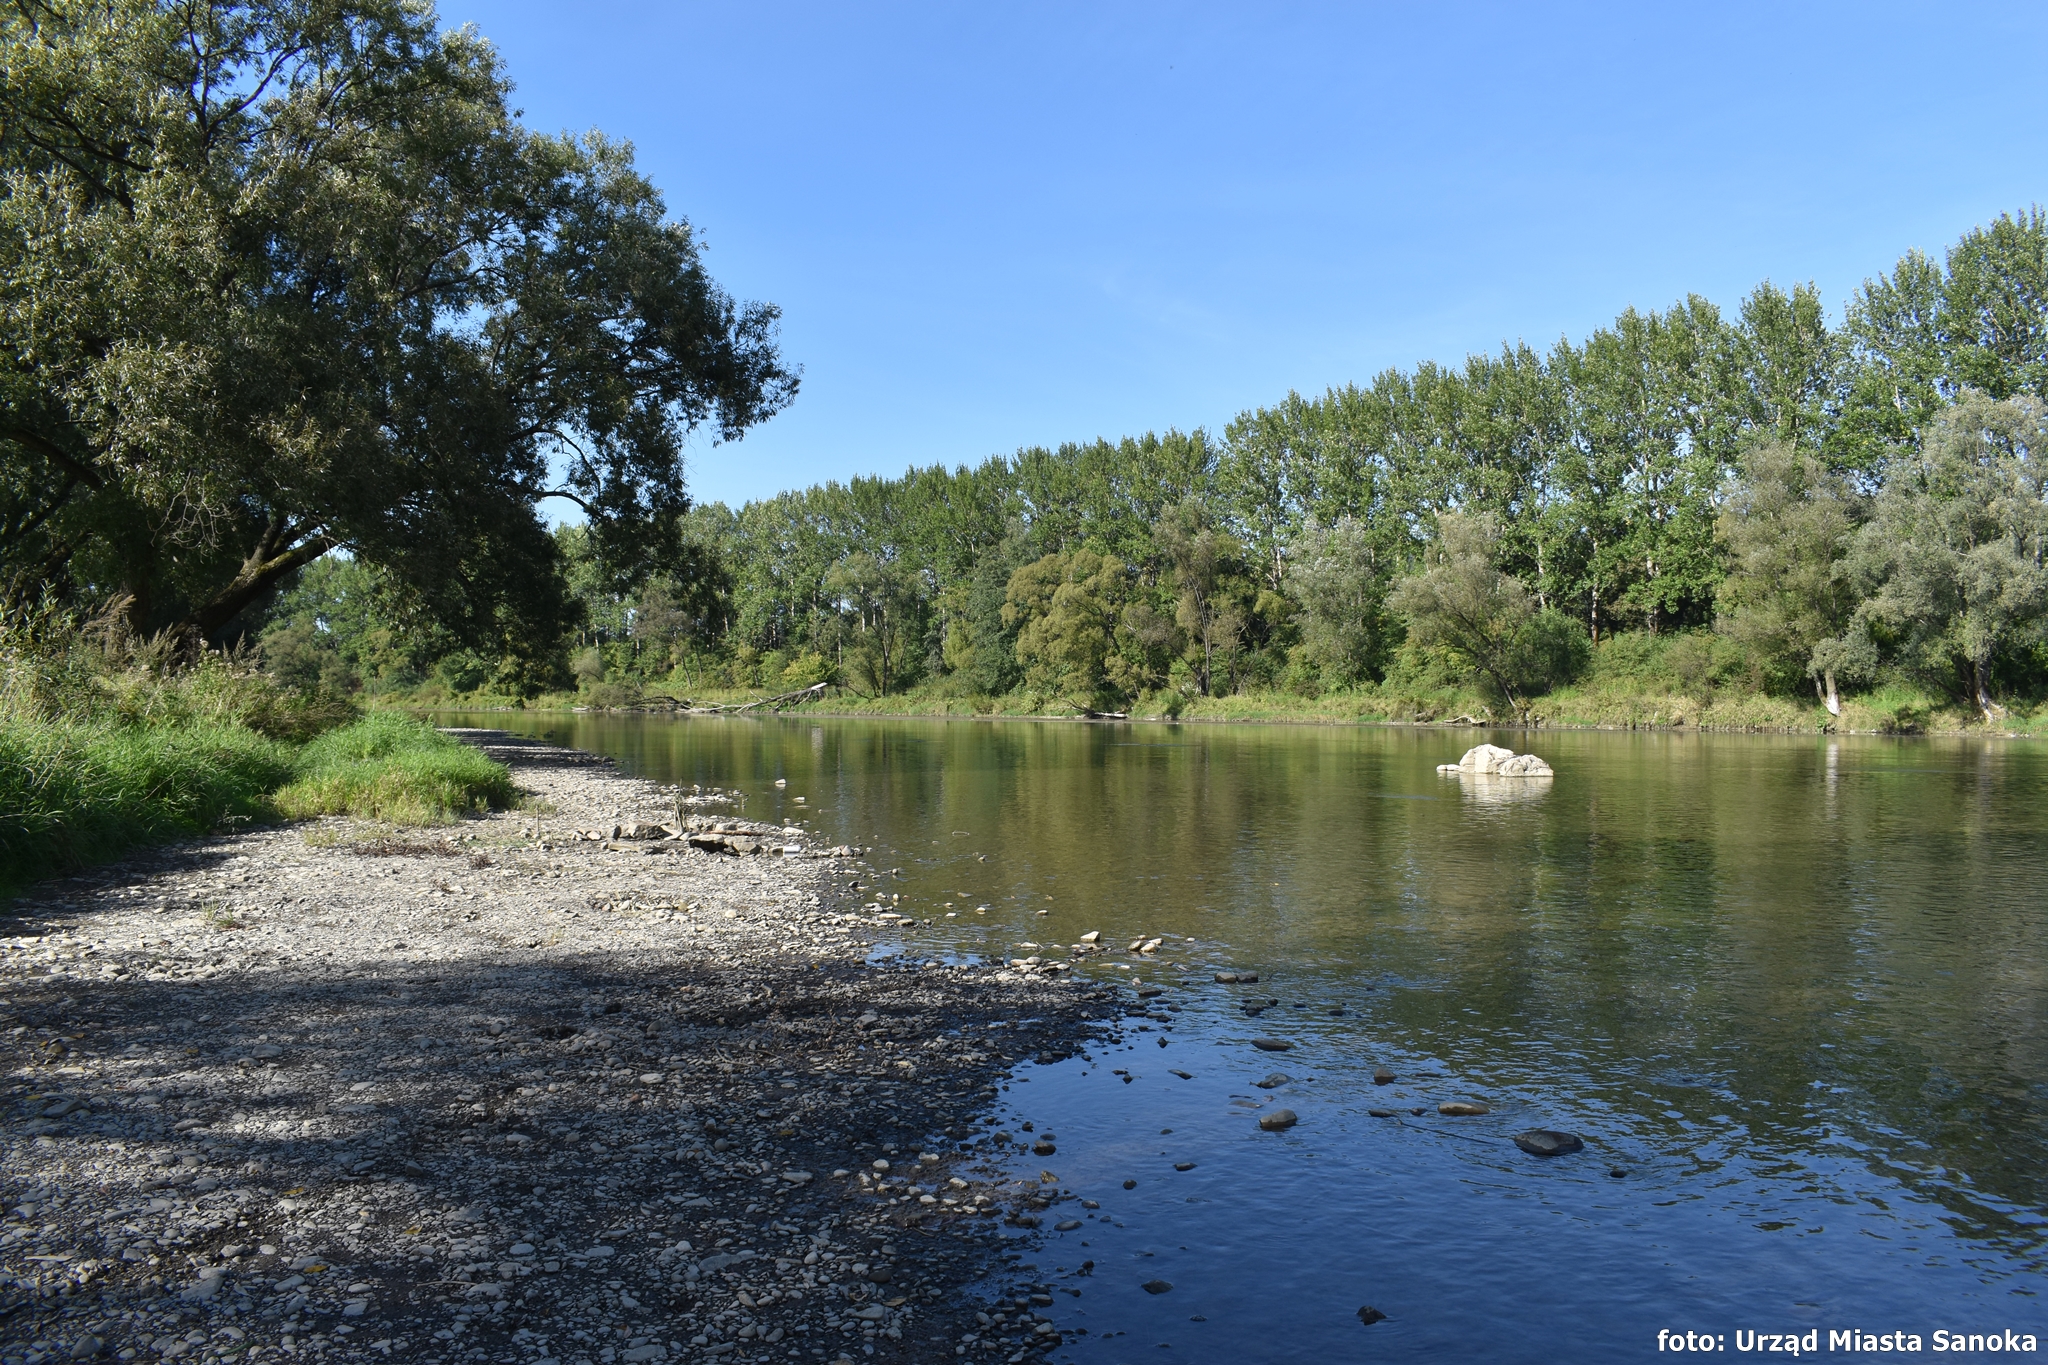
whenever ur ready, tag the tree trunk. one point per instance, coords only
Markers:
(1991, 709)
(1829, 697)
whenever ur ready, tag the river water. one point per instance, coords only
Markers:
(1792, 992)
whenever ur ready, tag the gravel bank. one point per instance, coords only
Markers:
(509, 1095)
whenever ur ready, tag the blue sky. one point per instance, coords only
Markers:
(998, 226)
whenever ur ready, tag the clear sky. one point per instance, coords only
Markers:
(992, 226)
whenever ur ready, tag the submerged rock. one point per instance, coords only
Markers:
(1382, 1076)
(1155, 1286)
(1548, 1142)
(1272, 1045)
(1461, 1109)
(1273, 1080)
(1370, 1315)
(1279, 1120)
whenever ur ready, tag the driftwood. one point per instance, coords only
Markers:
(802, 694)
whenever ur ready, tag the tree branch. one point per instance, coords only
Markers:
(84, 473)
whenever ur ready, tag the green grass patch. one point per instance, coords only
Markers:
(393, 768)
(74, 793)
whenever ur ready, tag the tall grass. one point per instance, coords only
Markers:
(74, 793)
(391, 767)
(108, 744)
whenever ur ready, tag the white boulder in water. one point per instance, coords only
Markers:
(1490, 760)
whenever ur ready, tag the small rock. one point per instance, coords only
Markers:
(1382, 1113)
(1279, 1120)
(1370, 1315)
(1548, 1142)
(1132, 1184)
(1272, 1045)
(1043, 1148)
(1182, 1074)
(1092, 936)
(1226, 978)
(1155, 1286)
(1461, 1109)
(1273, 1080)
(1382, 1076)
(1618, 1173)
(1066, 1225)
(1183, 1165)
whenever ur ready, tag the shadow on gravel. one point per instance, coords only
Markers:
(162, 1134)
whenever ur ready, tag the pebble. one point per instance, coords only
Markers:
(1272, 1045)
(1183, 1165)
(500, 1092)
(1383, 1113)
(1155, 1286)
(1461, 1109)
(1279, 1120)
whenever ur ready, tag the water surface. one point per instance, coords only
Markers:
(1792, 988)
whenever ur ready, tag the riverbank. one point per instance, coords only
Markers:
(331, 1091)
(1889, 712)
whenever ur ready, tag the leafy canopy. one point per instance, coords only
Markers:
(283, 276)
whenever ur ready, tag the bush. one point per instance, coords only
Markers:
(391, 767)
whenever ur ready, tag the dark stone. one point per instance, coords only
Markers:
(1272, 1045)
(881, 1274)
(1155, 1286)
(1066, 1225)
(1043, 1148)
(1183, 1165)
(1279, 1120)
(1618, 1173)
(1370, 1315)
(1382, 1113)
(1182, 1074)
(1273, 1080)
(1548, 1142)
(1382, 1076)
(1151, 991)
(1130, 1184)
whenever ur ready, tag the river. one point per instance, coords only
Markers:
(1792, 992)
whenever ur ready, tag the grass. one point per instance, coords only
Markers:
(74, 793)
(393, 768)
(78, 792)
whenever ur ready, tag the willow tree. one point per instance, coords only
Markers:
(279, 277)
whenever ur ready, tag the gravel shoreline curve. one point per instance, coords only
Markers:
(510, 1093)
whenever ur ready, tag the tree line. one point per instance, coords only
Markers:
(1841, 500)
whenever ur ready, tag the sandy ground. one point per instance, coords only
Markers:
(508, 1093)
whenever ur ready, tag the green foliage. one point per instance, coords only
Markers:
(280, 279)
(391, 767)
(1335, 573)
(1484, 619)
(1065, 609)
(1952, 556)
(1789, 596)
